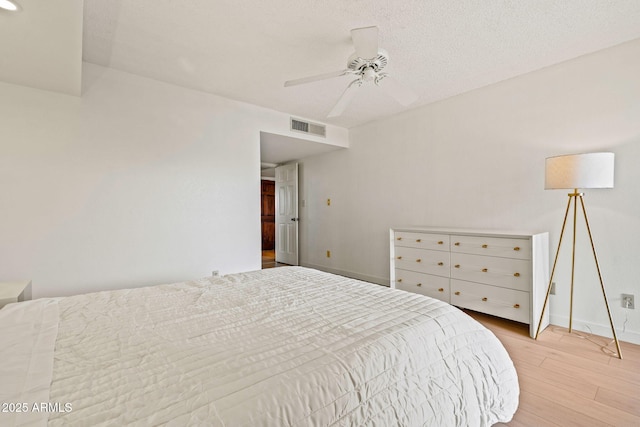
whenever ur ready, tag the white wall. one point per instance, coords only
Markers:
(137, 182)
(477, 160)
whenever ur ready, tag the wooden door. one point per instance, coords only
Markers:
(268, 215)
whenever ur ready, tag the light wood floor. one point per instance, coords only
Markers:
(566, 380)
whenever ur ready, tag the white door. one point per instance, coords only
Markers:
(287, 214)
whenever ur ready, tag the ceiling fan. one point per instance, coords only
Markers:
(366, 64)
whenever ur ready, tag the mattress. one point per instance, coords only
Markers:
(288, 346)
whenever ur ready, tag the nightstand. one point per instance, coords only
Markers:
(14, 292)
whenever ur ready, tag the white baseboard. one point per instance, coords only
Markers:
(596, 329)
(365, 277)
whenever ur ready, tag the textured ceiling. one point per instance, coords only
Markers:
(245, 50)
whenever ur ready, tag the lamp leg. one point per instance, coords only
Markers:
(573, 257)
(553, 270)
(604, 294)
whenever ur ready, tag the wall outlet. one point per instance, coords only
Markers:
(628, 301)
(553, 288)
(328, 254)
(215, 273)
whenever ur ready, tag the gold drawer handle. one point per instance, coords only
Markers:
(418, 260)
(441, 290)
(517, 248)
(484, 299)
(485, 246)
(441, 242)
(457, 243)
(399, 238)
(457, 266)
(419, 284)
(516, 274)
(418, 240)
(484, 270)
(399, 280)
(457, 293)
(516, 305)
(441, 263)
(398, 257)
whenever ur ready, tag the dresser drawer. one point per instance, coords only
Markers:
(504, 272)
(437, 242)
(492, 246)
(425, 284)
(422, 260)
(501, 302)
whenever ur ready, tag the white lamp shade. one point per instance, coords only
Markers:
(590, 170)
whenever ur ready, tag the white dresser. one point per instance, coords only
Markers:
(495, 272)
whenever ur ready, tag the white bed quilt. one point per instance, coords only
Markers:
(281, 347)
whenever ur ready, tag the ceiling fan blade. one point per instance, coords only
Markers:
(398, 91)
(365, 40)
(315, 78)
(345, 99)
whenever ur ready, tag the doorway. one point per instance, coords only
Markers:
(279, 217)
(276, 150)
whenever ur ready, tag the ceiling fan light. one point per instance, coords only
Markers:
(8, 5)
(368, 74)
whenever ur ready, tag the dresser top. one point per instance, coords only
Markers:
(467, 231)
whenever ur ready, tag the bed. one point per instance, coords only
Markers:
(287, 346)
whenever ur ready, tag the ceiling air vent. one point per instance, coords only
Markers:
(306, 127)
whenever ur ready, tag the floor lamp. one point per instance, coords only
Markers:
(578, 171)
